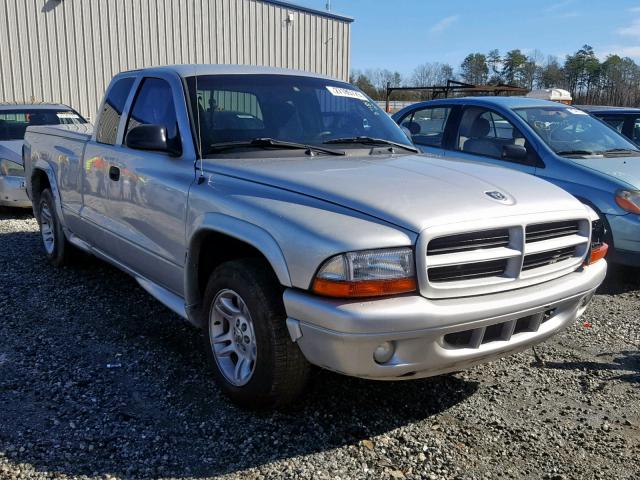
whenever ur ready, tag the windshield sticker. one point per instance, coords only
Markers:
(346, 92)
(67, 115)
(575, 111)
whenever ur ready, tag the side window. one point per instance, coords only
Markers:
(635, 135)
(154, 105)
(487, 133)
(427, 125)
(615, 122)
(107, 128)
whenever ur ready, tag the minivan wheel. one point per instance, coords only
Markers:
(56, 247)
(254, 360)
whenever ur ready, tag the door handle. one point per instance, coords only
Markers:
(114, 173)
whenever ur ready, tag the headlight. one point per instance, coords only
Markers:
(628, 200)
(9, 168)
(369, 273)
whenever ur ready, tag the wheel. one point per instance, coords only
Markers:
(254, 360)
(56, 247)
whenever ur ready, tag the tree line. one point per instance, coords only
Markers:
(613, 81)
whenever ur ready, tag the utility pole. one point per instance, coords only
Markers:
(328, 6)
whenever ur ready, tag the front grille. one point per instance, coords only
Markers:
(478, 262)
(546, 231)
(465, 242)
(548, 258)
(468, 271)
(498, 332)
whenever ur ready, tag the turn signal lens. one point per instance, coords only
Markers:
(628, 200)
(370, 288)
(598, 253)
(369, 273)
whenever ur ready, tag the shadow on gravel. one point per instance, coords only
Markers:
(620, 279)
(7, 213)
(98, 378)
(626, 361)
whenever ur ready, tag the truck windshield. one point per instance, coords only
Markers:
(572, 132)
(14, 122)
(287, 108)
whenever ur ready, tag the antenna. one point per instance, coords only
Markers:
(199, 142)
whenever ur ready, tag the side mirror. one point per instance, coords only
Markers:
(514, 152)
(153, 138)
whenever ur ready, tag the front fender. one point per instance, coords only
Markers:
(235, 228)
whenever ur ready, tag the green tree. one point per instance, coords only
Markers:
(514, 68)
(474, 69)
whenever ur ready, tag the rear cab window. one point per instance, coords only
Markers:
(109, 121)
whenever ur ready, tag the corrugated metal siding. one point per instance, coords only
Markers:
(67, 51)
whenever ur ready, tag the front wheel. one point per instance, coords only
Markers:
(254, 360)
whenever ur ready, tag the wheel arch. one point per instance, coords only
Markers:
(219, 238)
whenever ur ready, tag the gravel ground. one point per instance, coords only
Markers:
(98, 380)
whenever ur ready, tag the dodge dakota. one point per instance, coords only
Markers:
(292, 220)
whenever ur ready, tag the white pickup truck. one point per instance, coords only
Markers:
(292, 220)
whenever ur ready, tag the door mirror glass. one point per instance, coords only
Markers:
(516, 153)
(153, 138)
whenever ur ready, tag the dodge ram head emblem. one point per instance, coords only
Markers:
(499, 196)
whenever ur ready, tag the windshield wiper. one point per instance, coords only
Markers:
(371, 141)
(621, 150)
(267, 142)
(576, 152)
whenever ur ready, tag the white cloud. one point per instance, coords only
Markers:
(632, 51)
(635, 9)
(443, 24)
(632, 30)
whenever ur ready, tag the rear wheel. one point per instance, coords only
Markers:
(56, 247)
(253, 358)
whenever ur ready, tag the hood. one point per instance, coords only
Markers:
(626, 169)
(410, 191)
(12, 150)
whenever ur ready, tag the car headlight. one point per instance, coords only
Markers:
(598, 248)
(9, 168)
(368, 273)
(628, 200)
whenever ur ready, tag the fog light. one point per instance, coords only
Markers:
(384, 352)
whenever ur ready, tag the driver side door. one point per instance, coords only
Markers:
(484, 135)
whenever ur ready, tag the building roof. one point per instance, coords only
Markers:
(322, 13)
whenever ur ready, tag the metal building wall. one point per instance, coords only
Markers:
(67, 50)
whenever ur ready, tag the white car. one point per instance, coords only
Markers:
(14, 120)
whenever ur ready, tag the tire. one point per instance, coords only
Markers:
(246, 322)
(57, 249)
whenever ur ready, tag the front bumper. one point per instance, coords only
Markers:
(626, 239)
(13, 192)
(342, 335)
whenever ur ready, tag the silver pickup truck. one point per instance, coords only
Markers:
(287, 215)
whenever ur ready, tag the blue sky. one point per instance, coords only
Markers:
(400, 34)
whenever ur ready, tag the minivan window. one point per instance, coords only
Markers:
(484, 132)
(14, 122)
(107, 127)
(427, 125)
(290, 108)
(572, 132)
(154, 105)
